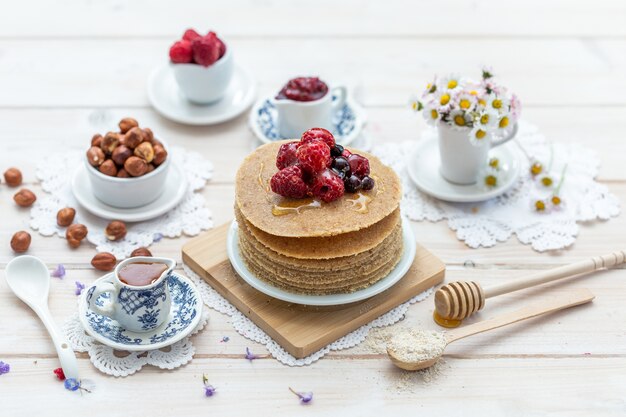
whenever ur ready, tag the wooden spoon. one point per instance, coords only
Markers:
(563, 301)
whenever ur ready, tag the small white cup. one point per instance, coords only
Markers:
(461, 161)
(205, 85)
(129, 192)
(295, 117)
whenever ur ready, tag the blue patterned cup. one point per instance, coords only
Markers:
(136, 308)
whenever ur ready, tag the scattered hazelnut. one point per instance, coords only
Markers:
(148, 135)
(115, 230)
(122, 174)
(13, 177)
(135, 166)
(111, 141)
(95, 156)
(145, 151)
(65, 216)
(127, 123)
(20, 241)
(121, 154)
(104, 261)
(75, 234)
(140, 252)
(96, 140)
(159, 155)
(108, 168)
(24, 198)
(133, 137)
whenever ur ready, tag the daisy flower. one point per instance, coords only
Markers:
(498, 103)
(556, 202)
(540, 205)
(443, 99)
(490, 178)
(536, 168)
(431, 115)
(487, 119)
(479, 135)
(545, 181)
(459, 118)
(451, 82)
(465, 101)
(494, 163)
(431, 87)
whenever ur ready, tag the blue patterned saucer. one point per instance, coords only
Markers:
(347, 123)
(183, 319)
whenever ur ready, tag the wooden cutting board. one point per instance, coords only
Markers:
(302, 330)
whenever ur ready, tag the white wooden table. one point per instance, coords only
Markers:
(66, 67)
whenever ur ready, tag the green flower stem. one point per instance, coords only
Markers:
(558, 187)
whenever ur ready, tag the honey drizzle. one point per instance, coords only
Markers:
(359, 204)
(443, 322)
(295, 206)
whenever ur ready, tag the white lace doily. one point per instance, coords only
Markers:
(190, 217)
(485, 224)
(248, 329)
(105, 359)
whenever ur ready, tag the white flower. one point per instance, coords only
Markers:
(479, 135)
(459, 119)
(442, 100)
(451, 82)
(431, 87)
(504, 121)
(487, 119)
(540, 205)
(556, 203)
(545, 181)
(489, 178)
(465, 101)
(498, 103)
(431, 115)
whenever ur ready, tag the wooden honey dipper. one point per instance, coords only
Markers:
(459, 300)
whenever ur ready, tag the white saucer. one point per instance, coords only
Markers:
(423, 167)
(175, 189)
(183, 319)
(348, 123)
(167, 99)
(232, 246)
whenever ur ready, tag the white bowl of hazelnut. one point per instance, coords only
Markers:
(127, 169)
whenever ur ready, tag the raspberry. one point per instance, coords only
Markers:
(317, 133)
(206, 50)
(180, 52)
(286, 155)
(59, 373)
(345, 153)
(327, 186)
(288, 182)
(313, 156)
(190, 35)
(359, 165)
(219, 42)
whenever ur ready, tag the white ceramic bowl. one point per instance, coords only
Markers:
(129, 192)
(204, 85)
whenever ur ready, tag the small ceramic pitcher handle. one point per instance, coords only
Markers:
(505, 139)
(342, 94)
(101, 288)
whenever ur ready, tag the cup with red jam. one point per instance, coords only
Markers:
(305, 102)
(138, 292)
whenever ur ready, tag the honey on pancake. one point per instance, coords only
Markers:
(443, 322)
(295, 206)
(360, 202)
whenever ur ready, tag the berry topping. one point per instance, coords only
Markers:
(313, 156)
(220, 44)
(336, 151)
(303, 89)
(206, 50)
(345, 153)
(190, 35)
(352, 184)
(288, 182)
(317, 133)
(327, 186)
(359, 165)
(180, 52)
(367, 183)
(286, 155)
(340, 164)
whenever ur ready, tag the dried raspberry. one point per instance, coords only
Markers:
(206, 50)
(318, 133)
(288, 182)
(219, 42)
(359, 165)
(180, 52)
(327, 186)
(286, 155)
(190, 35)
(59, 373)
(313, 156)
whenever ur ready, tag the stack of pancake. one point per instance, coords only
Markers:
(311, 247)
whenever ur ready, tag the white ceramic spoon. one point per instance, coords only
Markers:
(29, 278)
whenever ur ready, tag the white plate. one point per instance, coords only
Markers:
(175, 189)
(348, 123)
(232, 246)
(423, 167)
(167, 99)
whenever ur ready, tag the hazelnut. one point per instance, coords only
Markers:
(145, 151)
(133, 137)
(140, 252)
(108, 168)
(111, 141)
(135, 166)
(20, 241)
(75, 234)
(121, 154)
(95, 156)
(122, 173)
(151, 168)
(24, 197)
(148, 135)
(104, 261)
(96, 140)
(13, 177)
(65, 216)
(127, 123)
(115, 230)
(159, 155)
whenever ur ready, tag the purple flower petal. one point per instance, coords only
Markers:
(79, 288)
(250, 356)
(59, 272)
(209, 390)
(71, 384)
(4, 368)
(157, 237)
(305, 397)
